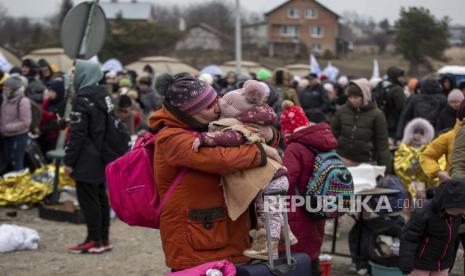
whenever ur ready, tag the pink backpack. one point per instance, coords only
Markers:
(131, 185)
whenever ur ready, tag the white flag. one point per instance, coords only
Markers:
(375, 73)
(314, 66)
(331, 71)
(5, 66)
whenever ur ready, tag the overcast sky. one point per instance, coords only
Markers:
(377, 9)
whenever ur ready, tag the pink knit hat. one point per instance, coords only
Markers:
(455, 95)
(239, 101)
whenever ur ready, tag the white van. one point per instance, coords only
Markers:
(457, 71)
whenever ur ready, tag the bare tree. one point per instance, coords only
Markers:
(217, 14)
(168, 16)
(57, 19)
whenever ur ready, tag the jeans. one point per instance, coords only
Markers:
(15, 149)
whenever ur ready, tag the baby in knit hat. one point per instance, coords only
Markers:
(240, 109)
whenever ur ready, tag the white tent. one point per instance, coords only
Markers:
(247, 67)
(300, 70)
(55, 56)
(162, 65)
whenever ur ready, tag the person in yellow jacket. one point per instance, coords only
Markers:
(417, 135)
(443, 145)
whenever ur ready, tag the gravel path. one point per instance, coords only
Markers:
(137, 251)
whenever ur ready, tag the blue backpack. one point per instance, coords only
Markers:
(330, 178)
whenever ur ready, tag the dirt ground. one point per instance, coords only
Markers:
(137, 251)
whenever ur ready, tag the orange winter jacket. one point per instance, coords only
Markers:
(194, 225)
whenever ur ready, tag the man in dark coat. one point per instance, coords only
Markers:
(83, 159)
(313, 98)
(428, 105)
(35, 88)
(394, 98)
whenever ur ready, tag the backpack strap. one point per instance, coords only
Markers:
(170, 191)
(175, 182)
(316, 152)
(296, 191)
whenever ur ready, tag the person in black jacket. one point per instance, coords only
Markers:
(429, 240)
(83, 159)
(314, 99)
(427, 105)
(448, 83)
(395, 98)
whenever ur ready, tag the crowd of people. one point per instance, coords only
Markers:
(267, 124)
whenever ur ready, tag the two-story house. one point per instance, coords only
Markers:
(297, 23)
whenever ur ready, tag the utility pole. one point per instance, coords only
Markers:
(238, 38)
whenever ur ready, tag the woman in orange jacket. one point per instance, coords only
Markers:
(194, 225)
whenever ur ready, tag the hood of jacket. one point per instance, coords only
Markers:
(56, 105)
(450, 194)
(163, 118)
(15, 95)
(430, 87)
(317, 136)
(417, 123)
(287, 77)
(394, 73)
(364, 85)
(86, 74)
(451, 79)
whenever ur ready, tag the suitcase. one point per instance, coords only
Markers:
(34, 159)
(259, 268)
(297, 264)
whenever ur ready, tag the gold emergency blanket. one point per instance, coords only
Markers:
(407, 167)
(26, 188)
